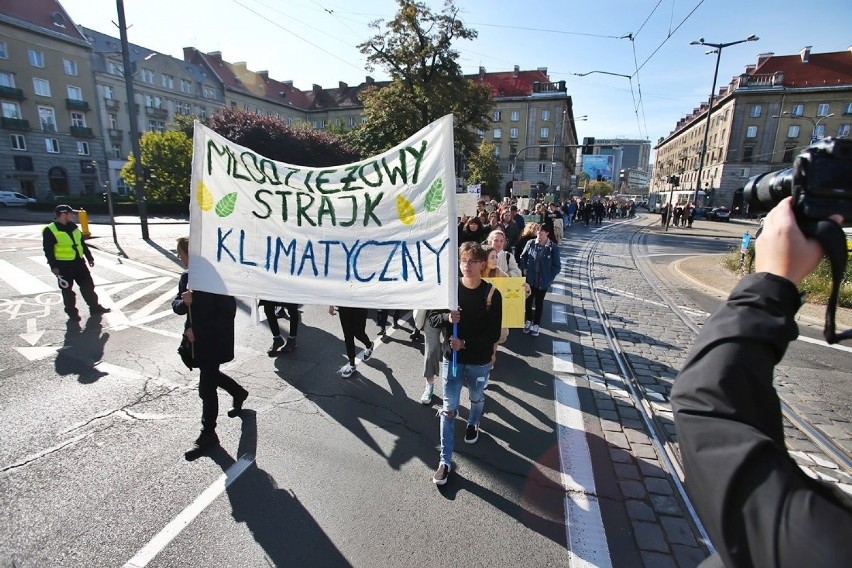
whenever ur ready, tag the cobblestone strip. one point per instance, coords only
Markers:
(654, 343)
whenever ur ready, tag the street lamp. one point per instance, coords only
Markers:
(814, 121)
(718, 47)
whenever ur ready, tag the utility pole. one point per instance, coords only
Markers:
(139, 186)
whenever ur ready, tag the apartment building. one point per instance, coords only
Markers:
(50, 136)
(532, 122)
(758, 123)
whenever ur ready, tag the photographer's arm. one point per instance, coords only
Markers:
(758, 506)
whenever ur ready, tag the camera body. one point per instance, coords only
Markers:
(820, 182)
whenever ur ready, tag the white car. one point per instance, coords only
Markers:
(12, 198)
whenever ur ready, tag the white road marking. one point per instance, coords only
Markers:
(34, 353)
(33, 334)
(558, 313)
(587, 544)
(22, 281)
(824, 344)
(563, 360)
(174, 528)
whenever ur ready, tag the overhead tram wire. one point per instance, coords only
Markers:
(671, 33)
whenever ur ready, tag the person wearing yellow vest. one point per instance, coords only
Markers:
(67, 255)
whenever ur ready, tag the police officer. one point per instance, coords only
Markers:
(65, 251)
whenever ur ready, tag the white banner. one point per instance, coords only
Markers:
(379, 233)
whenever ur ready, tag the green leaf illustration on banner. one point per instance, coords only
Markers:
(405, 210)
(205, 198)
(435, 195)
(226, 205)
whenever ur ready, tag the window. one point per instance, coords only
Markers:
(748, 152)
(120, 185)
(511, 169)
(11, 110)
(350, 121)
(847, 108)
(819, 131)
(185, 86)
(513, 133)
(36, 58)
(153, 101)
(167, 81)
(788, 154)
(4, 53)
(156, 126)
(47, 118)
(75, 93)
(208, 92)
(146, 76)
(52, 145)
(516, 116)
(497, 151)
(498, 133)
(822, 109)
(182, 107)
(545, 132)
(115, 151)
(82, 148)
(843, 130)
(797, 110)
(202, 112)
(755, 111)
(18, 142)
(480, 133)
(70, 67)
(542, 153)
(497, 116)
(41, 87)
(513, 151)
(115, 69)
(542, 168)
(112, 120)
(545, 114)
(109, 93)
(751, 132)
(793, 131)
(78, 119)
(24, 164)
(7, 79)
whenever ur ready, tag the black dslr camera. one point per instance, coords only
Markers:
(820, 182)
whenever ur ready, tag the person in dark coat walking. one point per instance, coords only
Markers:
(210, 328)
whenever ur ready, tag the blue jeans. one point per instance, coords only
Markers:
(474, 376)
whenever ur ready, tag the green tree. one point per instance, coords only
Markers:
(599, 188)
(415, 48)
(168, 157)
(485, 169)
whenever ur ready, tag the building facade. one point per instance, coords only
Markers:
(50, 137)
(758, 123)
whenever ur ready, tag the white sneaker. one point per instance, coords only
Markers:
(347, 371)
(527, 325)
(367, 353)
(428, 392)
(534, 331)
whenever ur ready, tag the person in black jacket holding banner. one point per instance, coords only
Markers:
(210, 328)
(758, 506)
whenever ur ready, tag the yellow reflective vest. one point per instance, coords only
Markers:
(66, 248)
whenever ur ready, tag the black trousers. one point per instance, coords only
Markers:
(76, 271)
(292, 313)
(537, 296)
(354, 324)
(211, 379)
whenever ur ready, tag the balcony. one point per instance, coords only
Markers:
(115, 133)
(75, 104)
(156, 112)
(112, 104)
(11, 93)
(15, 123)
(82, 132)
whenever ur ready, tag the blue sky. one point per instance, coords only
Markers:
(314, 42)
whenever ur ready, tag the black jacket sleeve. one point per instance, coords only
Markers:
(178, 306)
(48, 241)
(758, 506)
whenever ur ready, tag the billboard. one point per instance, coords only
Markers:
(599, 165)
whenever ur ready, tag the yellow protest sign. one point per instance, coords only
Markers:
(514, 298)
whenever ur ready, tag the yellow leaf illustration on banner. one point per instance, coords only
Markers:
(205, 198)
(405, 210)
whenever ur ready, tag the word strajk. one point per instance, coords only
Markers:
(389, 260)
(319, 197)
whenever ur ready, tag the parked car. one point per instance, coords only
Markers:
(11, 199)
(702, 212)
(719, 214)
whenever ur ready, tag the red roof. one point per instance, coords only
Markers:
(47, 14)
(821, 70)
(511, 83)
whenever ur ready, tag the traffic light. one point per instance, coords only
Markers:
(588, 146)
(106, 198)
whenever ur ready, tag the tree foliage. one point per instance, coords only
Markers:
(168, 157)
(415, 48)
(599, 188)
(485, 169)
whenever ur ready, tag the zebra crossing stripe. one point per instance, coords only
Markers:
(22, 281)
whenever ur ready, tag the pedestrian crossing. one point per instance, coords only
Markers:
(137, 294)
